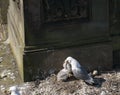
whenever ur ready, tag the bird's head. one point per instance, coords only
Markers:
(67, 64)
(73, 62)
(67, 61)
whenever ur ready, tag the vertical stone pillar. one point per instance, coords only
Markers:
(16, 31)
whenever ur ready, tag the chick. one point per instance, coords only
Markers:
(64, 73)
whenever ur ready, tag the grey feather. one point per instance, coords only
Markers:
(64, 73)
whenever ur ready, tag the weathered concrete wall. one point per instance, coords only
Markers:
(16, 31)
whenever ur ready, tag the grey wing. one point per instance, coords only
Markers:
(80, 73)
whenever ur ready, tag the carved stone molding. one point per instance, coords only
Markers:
(60, 10)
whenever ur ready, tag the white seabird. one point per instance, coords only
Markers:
(64, 73)
(14, 90)
(78, 71)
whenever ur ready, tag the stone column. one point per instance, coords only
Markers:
(16, 31)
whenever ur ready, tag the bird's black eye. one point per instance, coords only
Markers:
(67, 62)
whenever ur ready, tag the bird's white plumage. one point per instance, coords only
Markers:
(78, 71)
(67, 66)
(74, 63)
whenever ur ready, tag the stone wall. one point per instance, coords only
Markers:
(42, 34)
(47, 44)
(41, 47)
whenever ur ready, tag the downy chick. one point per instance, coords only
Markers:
(64, 73)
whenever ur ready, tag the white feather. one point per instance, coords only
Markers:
(74, 63)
